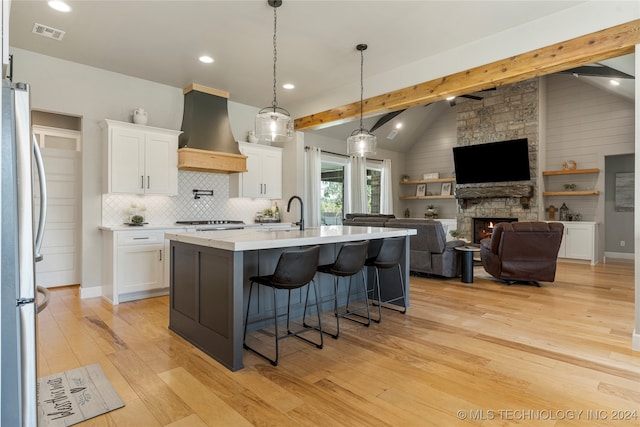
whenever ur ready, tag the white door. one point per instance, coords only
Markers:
(61, 242)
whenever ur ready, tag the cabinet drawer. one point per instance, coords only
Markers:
(128, 238)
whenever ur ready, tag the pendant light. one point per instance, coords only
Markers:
(274, 123)
(361, 142)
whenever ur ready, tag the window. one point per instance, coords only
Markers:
(332, 195)
(332, 191)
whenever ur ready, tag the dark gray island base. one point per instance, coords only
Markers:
(210, 285)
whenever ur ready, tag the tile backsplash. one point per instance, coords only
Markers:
(183, 207)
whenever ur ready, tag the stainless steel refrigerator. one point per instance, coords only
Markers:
(20, 165)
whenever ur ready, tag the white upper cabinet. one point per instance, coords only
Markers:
(141, 159)
(263, 179)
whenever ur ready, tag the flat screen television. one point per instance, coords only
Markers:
(492, 162)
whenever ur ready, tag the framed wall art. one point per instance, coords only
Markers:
(624, 192)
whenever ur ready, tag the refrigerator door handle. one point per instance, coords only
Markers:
(44, 302)
(43, 198)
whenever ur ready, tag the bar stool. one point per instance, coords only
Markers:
(388, 256)
(349, 262)
(295, 269)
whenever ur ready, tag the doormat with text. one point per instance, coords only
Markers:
(72, 396)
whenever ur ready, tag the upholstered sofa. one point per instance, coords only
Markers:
(430, 252)
(522, 251)
(374, 220)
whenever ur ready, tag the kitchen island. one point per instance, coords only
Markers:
(209, 279)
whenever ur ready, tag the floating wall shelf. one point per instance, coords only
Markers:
(451, 196)
(427, 181)
(571, 193)
(571, 172)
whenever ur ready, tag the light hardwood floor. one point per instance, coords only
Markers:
(465, 354)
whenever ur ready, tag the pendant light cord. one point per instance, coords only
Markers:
(275, 57)
(361, 85)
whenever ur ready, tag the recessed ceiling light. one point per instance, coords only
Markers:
(288, 86)
(60, 6)
(206, 59)
(398, 125)
(614, 82)
(450, 98)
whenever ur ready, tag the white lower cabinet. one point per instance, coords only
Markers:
(579, 241)
(135, 265)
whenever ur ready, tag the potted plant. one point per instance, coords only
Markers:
(431, 212)
(136, 214)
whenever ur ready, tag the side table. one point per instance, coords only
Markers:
(467, 262)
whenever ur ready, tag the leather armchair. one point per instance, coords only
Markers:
(522, 251)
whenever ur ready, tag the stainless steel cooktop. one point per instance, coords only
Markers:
(209, 222)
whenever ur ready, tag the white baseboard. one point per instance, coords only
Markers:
(95, 291)
(618, 255)
(635, 340)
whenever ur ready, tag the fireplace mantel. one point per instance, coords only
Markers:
(472, 194)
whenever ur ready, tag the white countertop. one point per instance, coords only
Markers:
(248, 239)
(192, 228)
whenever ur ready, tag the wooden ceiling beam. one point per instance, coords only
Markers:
(609, 43)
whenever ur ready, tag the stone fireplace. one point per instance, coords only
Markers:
(509, 112)
(483, 227)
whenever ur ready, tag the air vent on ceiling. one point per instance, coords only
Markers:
(47, 31)
(392, 134)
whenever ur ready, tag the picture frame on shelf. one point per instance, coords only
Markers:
(421, 190)
(446, 189)
(431, 175)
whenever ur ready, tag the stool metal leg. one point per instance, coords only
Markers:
(274, 362)
(366, 302)
(379, 301)
(246, 319)
(348, 312)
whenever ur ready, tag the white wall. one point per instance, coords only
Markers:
(94, 94)
(636, 331)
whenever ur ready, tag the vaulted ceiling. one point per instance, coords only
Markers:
(160, 41)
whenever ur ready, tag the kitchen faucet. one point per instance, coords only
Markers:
(301, 222)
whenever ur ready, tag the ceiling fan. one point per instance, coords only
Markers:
(390, 116)
(452, 99)
(597, 70)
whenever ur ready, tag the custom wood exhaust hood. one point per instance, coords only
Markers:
(193, 159)
(207, 143)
